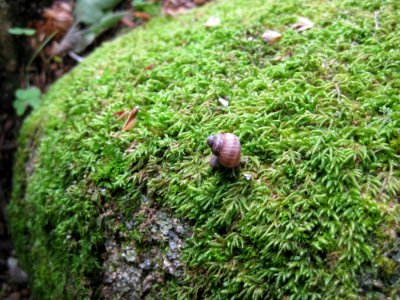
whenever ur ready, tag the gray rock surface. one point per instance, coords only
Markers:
(136, 272)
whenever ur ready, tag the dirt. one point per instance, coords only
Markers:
(9, 128)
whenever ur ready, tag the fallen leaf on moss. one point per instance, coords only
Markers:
(130, 124)
(131, 121)
(149, 67)
(213, 22)
(302, 24)
(271, 37)
(120, 114)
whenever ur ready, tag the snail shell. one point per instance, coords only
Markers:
(226, 150)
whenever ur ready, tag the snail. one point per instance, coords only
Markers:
(226, 150)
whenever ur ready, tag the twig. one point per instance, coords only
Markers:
(37, 51)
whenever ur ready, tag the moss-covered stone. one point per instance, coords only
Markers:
(316, 215)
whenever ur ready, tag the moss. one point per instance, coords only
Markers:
(318, 118)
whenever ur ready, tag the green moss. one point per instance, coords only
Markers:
(318, 118)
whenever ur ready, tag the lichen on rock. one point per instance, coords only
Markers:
(133, 271)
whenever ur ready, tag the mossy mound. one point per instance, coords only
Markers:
(316, 215)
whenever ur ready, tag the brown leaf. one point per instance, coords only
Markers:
(130, 124)
(175, 7)
(58, 18)
(149, 67)
(142, 15)
(131, 121)
(120, 114)
(127, 21)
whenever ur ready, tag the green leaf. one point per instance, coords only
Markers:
(152, 8)
(108, 21)
(26, 97)
(21, 31)
(91, 11)
(19, 106)
(103, 4)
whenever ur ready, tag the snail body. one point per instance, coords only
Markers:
(226, 150)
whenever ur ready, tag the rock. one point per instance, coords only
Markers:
(127, 276)
(17, 275)
(310, 221)
(378, 284)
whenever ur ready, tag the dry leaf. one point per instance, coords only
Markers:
(149, 67)
(142, 15)
(213, 22)
(58, 18)
(55, 22)
(120, 114)
(173, 12)
(175, 7)
(130, 124)
(271, 37)
(223, 102)
(302, 24)
(131, 121)
(127, 21)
